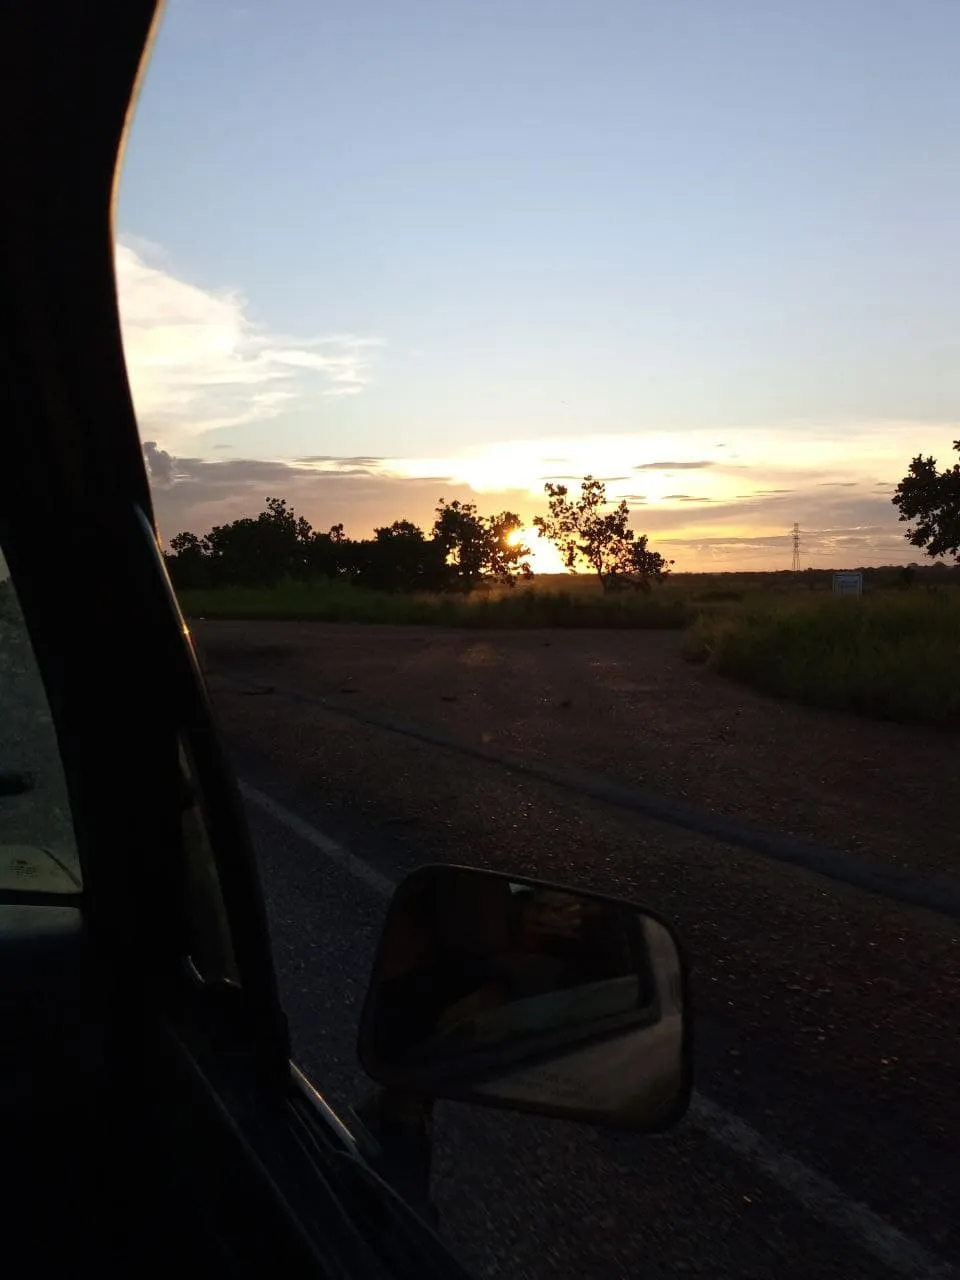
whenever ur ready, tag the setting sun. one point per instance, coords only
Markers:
(544, 557)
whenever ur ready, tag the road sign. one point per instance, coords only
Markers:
(848, 584)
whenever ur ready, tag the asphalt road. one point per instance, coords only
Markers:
(824, 1137)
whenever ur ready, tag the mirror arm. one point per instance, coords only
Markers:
(396, 1137)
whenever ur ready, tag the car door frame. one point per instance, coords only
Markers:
(78, 532)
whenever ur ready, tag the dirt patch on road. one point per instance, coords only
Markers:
(625, 704)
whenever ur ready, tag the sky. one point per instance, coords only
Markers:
(378, 252)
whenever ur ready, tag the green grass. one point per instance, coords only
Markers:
(520, 607)
(891, 655)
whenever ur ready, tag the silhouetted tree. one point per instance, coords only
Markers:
(507, 552)
(260, 551)
(402, 558)
(247, 552)
(327, 554)
(189, 561)
(465, 547)
(478, 546)
(582, 530)
(932, 499)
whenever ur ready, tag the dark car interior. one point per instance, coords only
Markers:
(104, 1112)
(78, 1191)
(149, 1114)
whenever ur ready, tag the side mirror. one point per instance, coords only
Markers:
(493, 989)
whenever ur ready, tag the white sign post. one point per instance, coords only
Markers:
(848, 584)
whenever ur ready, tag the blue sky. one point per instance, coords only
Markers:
(459, 239)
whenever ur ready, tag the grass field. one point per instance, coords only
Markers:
(892, 654)
(583, 605)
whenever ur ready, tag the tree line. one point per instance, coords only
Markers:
(462, 549)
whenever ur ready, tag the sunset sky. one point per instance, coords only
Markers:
(379, 252)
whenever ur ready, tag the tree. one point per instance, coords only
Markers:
(582, 530)
(634, 565)
(247, 552)
(262, 551)
(465, 547)
(458, 530)
(478, 546)
(327, 555)
(507, 553)
(402, 558)
(188, 560)
(932, 499)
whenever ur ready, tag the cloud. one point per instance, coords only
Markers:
(337, 463)
(768, 541)
(197, 493)
(673, 466)
(683, 497)
(159, 464)
(838, 528)
(197, 361)
(765, 493)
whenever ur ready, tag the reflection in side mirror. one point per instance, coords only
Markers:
(527, 995)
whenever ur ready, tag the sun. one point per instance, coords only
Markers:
(544, 556)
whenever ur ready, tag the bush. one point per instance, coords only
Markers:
(891, 655)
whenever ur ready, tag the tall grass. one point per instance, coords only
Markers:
(521, 607)
(892, 655)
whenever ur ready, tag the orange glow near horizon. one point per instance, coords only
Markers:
(544, 556)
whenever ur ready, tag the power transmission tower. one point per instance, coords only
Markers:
(796, 548)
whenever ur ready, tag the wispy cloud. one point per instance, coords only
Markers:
(672, 466)
(198, 361)
(334, 462)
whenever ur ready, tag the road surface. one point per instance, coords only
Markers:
(823, 1140)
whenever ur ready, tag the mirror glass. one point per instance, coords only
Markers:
(531, 995)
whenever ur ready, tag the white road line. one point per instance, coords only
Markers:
(359, 869)
(819, 1195)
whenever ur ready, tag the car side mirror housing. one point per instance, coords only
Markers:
(520, 994)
